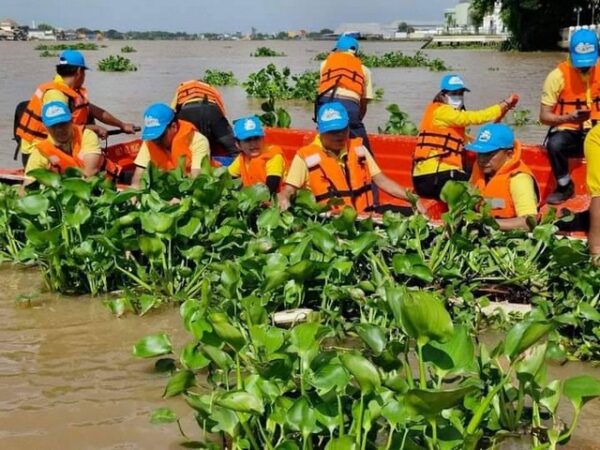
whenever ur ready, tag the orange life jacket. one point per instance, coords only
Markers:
(180, 147)
(253, 170)
(32, 128)
(198, 90)
(444, 143)
(342, 69)
(327, 179)
(573, 97)
(58, 158)
(496, 191)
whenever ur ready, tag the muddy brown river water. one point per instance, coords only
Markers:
(67, 377)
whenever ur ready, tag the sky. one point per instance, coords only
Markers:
(198, 16)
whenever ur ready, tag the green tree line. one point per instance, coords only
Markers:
(535, 24)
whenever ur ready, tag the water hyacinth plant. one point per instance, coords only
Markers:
(270, 82)
(266, 52)
(397, 59)
(61, 47)
(398, 123)
(219, 77)
(116, 63)
(128, 49)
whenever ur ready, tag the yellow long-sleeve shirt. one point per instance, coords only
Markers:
(446, 116)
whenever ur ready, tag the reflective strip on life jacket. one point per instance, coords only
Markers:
(573, 96)
(443, 143)
(30, 125)
(496, 191)
(327, 179)
(342, 69)
(253, 170)
(180, 147)
(199, 91)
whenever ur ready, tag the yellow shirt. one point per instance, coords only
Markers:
(592, 155)
(275, 167)
(368, 94)
(199, 148)
(553, 86)
(50, 95)
(297, 175)
(447, 116)
(90, 144)
(522, 191)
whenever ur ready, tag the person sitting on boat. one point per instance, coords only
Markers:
(570, 105)
(592, 156)
(257, 162)
(168, 142)
(336, 166)
(66, 87)
(344, 79)
(201, 104)
(503, 179)
(439, 155)
(67, 145)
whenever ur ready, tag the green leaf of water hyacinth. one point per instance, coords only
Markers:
(163, 415)
(151, 346)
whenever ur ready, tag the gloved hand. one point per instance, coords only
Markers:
(512, 101)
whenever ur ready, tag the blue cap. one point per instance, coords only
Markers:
(72, 58)
(157, 118)
(54, 113)
(584, 48)
(453, 82)
(332, 117)
(346, 42)
(247, 127)
(492, 137)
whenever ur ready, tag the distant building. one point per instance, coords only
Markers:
(41, 35)
(371, 30)
(458, 20)
(492, 22)
(367, 30)
(10, 30)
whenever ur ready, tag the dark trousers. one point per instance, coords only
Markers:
(211, 122)
(562, 145)
(431, 185)
(357, 127)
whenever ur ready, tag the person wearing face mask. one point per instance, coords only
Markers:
(438, 155)
(66, 87)
(570, 106)
(67, 145)
(257, 162)
(503, 179)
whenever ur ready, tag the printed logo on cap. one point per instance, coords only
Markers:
(485, 136)
(151, 121)
(457, 81)
(330, 114)
(584, 48)
(55, 111)
(249, 125)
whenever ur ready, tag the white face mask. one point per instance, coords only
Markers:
(456, 101)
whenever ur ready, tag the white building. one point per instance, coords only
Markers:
(8, 29)
(41, 35)
(492, 22)
(458, 20)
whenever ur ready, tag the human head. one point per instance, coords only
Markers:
(333, 125)
(452, 91)
(583, 49)
(248, 132)
(160, 125)
(345, 43)
(494, 146)
(71, 65)
(56, 117)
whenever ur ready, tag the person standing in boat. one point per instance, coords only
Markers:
(439, 155)
(592, 156)
(570, 105)
(344, 79)
(503, 179)
(336, 166)
(67, 145)
(169, 142)
(257, 162)
(66, 87)
(201, 104)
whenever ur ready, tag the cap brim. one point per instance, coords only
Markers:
(332, 127)
(466, 89)
(153, 133)
(56, 121)
(481, 148)
(249, 135)
(583, 61)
